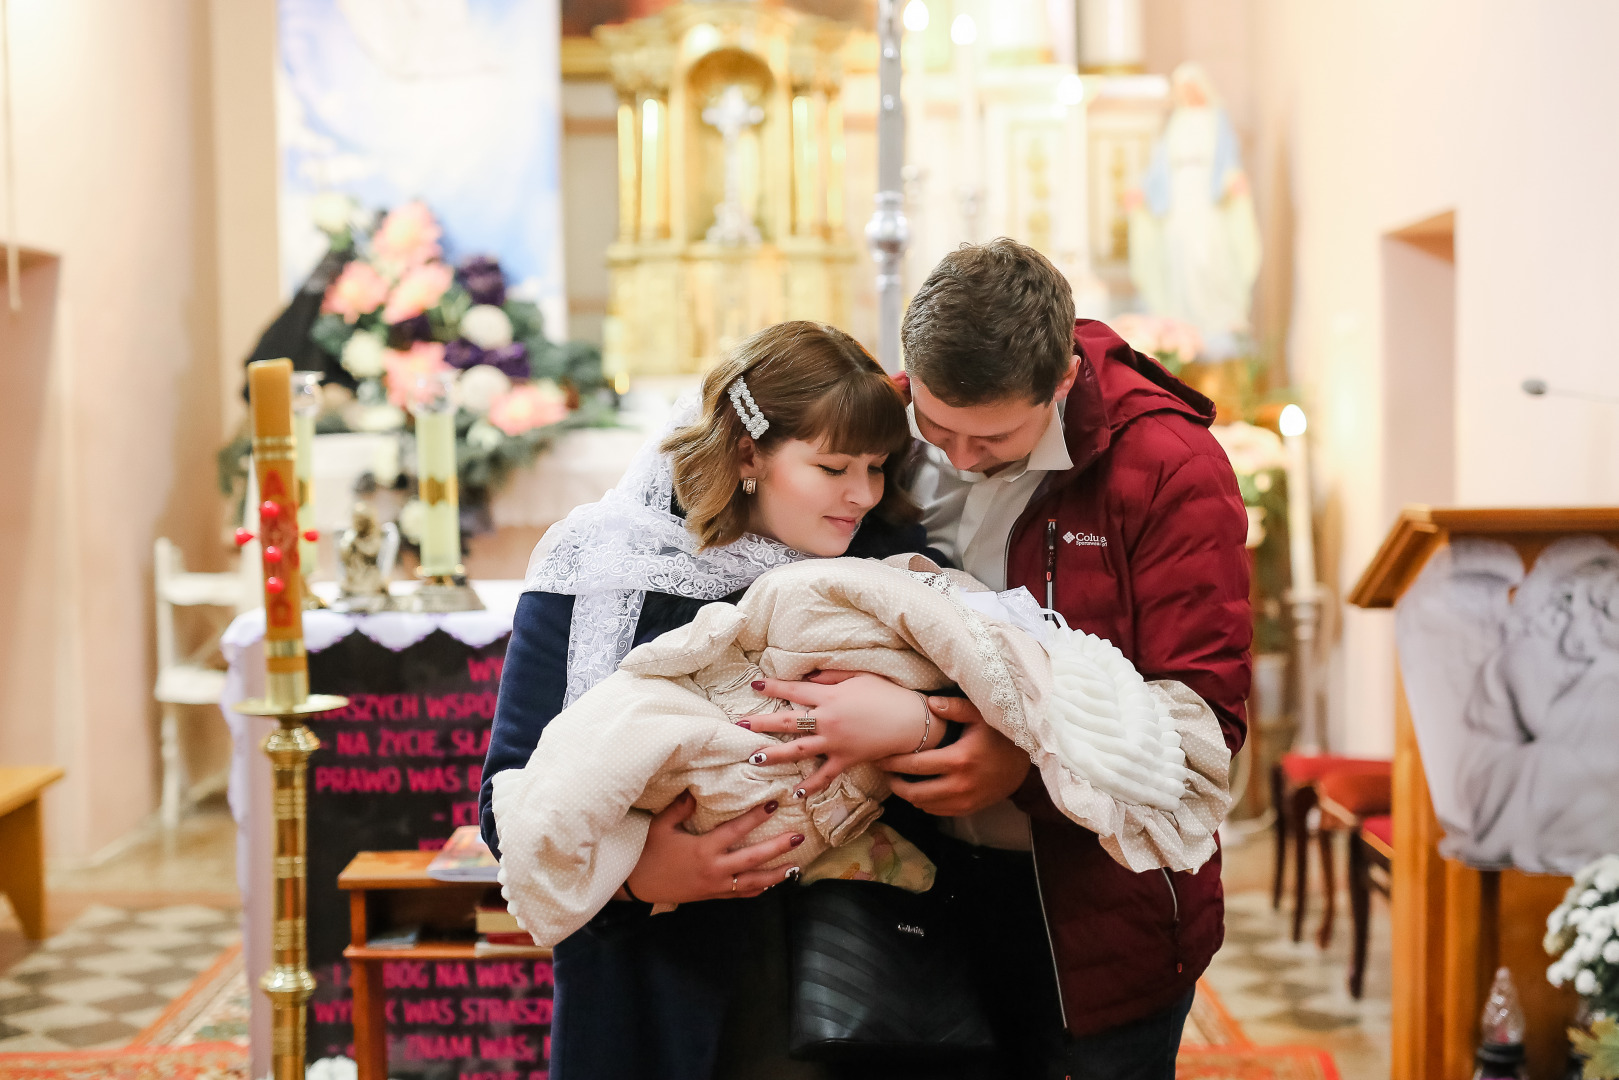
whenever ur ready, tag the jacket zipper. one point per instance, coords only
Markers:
(1051, 942)
(1175, 919)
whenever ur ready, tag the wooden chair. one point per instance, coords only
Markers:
(1294, 780)
(184, 680)
(1346, 799)
(1371, 866)
(22, 867)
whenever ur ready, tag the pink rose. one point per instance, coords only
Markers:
(406, 370)
(358, 290)
(524, 408)
(407, 236)
(417, 291)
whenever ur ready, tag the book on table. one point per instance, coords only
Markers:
(464, 857)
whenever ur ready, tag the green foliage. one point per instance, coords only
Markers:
(331, 332)
(1600, 1048)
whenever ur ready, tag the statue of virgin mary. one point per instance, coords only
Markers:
(1194, 238)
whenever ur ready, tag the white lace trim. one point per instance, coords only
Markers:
(609, 554)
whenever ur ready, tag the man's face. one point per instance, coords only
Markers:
(985, 438)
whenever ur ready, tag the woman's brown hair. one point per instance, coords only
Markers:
(811, 382)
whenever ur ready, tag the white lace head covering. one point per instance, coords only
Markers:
(608, 554)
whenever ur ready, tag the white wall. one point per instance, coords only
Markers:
(116, 175)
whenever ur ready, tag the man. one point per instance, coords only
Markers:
(1061, 460)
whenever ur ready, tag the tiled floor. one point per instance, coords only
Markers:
(1286, 993)
(108, 976)
(127, 936)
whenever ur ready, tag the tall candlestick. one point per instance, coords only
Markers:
(305, 406)
(274, 460)
(1304, 596)
(436, 479)
(888, 233)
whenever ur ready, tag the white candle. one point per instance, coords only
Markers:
(436, 483)
(305, 406)
(1301, 539)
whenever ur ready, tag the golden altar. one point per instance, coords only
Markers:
(730, 167)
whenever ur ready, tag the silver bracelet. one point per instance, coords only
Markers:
(927, 723)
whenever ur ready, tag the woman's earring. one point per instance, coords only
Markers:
(750, 484)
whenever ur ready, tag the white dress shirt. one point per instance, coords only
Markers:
(969, 518)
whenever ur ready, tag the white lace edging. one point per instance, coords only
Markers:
(609, 554)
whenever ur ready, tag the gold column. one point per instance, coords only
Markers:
(629, 183)
(654, 223)
(834, 166)
(807, 205)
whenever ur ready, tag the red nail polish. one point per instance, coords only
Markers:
(758, 684)
(770, 807)
(744, 724)
(796, 840)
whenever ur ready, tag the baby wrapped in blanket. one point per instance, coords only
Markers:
(1141, 764)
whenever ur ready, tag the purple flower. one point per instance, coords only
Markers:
(401, 334)
(463, 354)
(511, 359)
(484, 281)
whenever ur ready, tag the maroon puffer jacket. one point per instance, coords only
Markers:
(1149, 555)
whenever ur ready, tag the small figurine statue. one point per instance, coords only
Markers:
(365, 560)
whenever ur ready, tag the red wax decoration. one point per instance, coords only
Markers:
(243, 537)
(269, 510)
(272, 554)
(311, 535)
(274, 585)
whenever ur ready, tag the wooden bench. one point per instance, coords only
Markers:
(22, 845)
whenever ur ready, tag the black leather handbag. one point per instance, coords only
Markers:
(874, 977)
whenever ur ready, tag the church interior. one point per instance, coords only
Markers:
(499, 239)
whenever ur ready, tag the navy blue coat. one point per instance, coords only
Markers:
(635, 996)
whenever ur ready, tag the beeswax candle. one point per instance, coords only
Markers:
(269, 384)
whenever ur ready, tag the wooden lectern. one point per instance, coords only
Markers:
(1454, 925)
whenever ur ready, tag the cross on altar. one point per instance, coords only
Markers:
(731, 115)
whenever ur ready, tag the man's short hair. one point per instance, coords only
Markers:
(992, 322)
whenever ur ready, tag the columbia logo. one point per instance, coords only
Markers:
(1085, 539)
(907, 928)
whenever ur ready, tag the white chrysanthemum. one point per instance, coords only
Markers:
(483, 435)
(333, 1068)
(1610, 952)
(1557, 919)
(1606, 879)
(1590, 898)
(362, 355)
(479, 386)
(331, 211)
(412, 517)
(1585, 983)
(487, 327)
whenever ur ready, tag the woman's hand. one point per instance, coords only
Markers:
(973, 773)
(677, 867)
(858, 717)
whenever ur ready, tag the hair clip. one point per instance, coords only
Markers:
(747, 410)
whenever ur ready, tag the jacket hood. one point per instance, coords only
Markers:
(1116, 386)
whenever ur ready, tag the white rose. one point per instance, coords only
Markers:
(479, 386)
(1554, 973)
(1585, 982)
(1590, 898)
(1607, 878)
(1610, 952)
(362, 355)
(486, 326)
(1556, 920)
(331, 212)
(483, 435)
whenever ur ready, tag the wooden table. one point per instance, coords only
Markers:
(367, 875)
(22, 870)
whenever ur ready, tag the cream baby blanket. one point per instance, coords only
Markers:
(1141, 764)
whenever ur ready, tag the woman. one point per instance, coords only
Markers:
(792, 454)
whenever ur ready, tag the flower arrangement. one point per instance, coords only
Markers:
(1169, 341)
(1583, 933)
(397, 311)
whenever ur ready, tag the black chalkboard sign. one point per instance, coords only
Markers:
(399, 769)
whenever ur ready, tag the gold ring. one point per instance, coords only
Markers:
(805, 724)
(733, 883)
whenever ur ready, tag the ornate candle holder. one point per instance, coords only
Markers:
(444, 586)
(288, 983)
